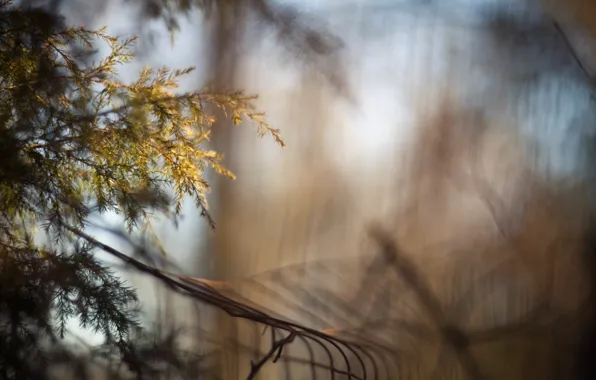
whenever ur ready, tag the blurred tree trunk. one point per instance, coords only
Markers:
(225, 27)
(278, 214)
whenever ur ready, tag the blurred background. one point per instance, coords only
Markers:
(461, 129)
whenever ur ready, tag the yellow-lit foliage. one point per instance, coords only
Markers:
(76, 140)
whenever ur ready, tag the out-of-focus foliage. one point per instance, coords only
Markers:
(304, 37)
(287, 21)
(76, 140)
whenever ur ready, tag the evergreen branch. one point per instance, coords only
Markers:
(76, 140)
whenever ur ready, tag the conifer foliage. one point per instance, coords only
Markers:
(76, 140)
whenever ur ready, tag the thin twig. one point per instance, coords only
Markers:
(572, 51)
